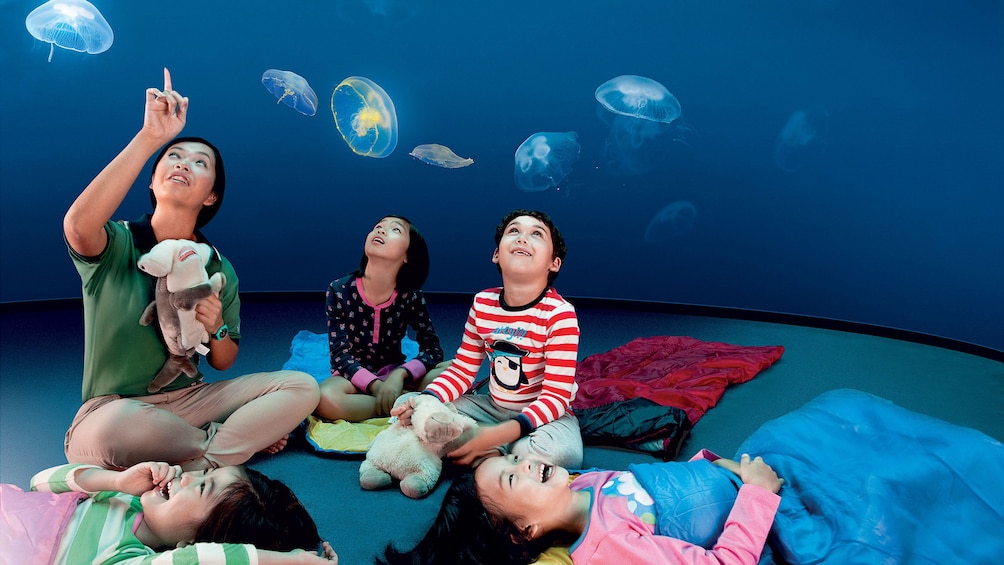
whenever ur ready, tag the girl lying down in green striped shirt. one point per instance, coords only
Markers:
(155, 513)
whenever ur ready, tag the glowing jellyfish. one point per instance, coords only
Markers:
(71, 24)
(802, 139)
(544, 159)
(440, 156)
(291, 89)
(640, 97)
(670, 222)
(365, 117)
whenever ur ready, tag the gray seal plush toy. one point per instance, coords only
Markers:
(182, 282)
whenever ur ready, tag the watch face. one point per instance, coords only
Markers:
(222, 332)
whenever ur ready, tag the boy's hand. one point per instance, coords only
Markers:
(142, 477)
(406, 408)
(485, 442)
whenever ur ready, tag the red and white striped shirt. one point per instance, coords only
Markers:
(532, 352)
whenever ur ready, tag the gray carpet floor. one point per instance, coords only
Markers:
(41, 358)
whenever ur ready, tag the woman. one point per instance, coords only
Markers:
(195, 424)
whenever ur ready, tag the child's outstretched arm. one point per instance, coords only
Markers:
(298, 556)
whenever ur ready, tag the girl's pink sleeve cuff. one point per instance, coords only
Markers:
(362, 379)
(415, 368)
(705, 454)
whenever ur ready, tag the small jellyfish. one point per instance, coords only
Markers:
(71, 24)
(291, 89)
(365, 116)
(544, 159)
(641, 97)
(670, 222)
(802, 139)
(440, 156)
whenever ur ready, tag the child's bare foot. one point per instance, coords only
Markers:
(277, 446)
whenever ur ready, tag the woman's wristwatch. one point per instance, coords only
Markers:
(221, 333)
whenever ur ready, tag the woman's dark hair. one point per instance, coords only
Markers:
(557, 240)
(415, 270)
(467, 532)
(219, 187)
(260, 511)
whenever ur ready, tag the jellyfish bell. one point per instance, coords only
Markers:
(545, 159)
(365, 116)
(802, 140)
(671, 221)
(640, 97)
(70, 24)
(291, 89)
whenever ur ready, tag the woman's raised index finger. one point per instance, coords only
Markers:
(167, 80)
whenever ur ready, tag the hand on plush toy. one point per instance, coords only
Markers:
(209, 312)
(406, 408)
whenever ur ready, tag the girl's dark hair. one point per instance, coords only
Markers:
(557, 240)
(260, 511)
(219, 187)
(415, 271)
(466, 532)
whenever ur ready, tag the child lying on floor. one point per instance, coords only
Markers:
(865, 481)
(152, 512)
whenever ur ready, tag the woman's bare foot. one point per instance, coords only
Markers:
(277, 446)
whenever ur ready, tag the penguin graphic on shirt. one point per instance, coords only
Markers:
(506, 367)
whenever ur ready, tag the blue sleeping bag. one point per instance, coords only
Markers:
(866, 482)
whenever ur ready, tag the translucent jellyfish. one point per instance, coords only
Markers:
(365, 116)
(802, 139)
(291, 89)
(670, 222)
(544, 159)
(440, 156)
(641, 97)
(71, 24)
(634, 146)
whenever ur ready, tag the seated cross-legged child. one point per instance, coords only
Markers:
(530, 335)
(369, 312)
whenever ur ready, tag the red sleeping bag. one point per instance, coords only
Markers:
(682, 372)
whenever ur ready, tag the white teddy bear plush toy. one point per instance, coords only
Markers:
(414, 454)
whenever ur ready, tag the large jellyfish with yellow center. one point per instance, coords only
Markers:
(365, 116)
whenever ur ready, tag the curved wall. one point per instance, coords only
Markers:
(832, 160)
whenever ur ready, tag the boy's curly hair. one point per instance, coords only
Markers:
(558, 241)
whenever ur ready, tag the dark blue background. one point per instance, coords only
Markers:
(898, 221)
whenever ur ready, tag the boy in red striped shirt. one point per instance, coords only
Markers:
(530, 335)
